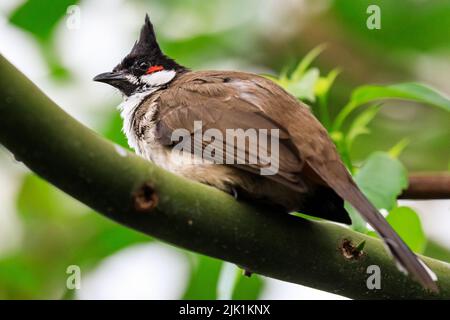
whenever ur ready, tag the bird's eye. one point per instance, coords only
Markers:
(143, 65)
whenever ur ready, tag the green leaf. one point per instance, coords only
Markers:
(382, 178)
(398, 148)
(406, 223)
(341, 144)
(303, 83)
(19, 279)
(437, 251)
(305, 216)
(40, 202)
(248, 288)
(205, 272)
(39, 17)
(321, 90)
(113, 130)
(359, 125)
(324, 84)
(360, 246)
(234, 285)
(306, 62)
(358, 223)
(304, 88)
(406, 91)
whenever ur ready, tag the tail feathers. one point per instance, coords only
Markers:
(406, 260)
(325, 203)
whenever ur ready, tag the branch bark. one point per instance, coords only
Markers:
(427, 186)
(196, 217)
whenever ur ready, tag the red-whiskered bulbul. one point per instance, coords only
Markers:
(161, 96)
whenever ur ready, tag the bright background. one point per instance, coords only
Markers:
(43, 231)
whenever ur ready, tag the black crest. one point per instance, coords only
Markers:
(147, 44)
(145, 54)
(147, 49)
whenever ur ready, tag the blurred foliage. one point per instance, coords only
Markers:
(407, 91)
(40, 17)
(113, 130)
(58, 231)
(382, 177)
(205, 273)
(301, 83)
(418, 25)
(29, 16)
(437, 251)
(407, 224)
(248, 288)
(306, 84)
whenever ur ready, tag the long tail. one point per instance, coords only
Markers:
(407, 261)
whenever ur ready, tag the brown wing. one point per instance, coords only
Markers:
(239, 100)
(220, 108)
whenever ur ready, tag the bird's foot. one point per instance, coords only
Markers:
(247, 273)
(234, 193)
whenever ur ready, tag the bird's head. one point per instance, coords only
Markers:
(144, 68)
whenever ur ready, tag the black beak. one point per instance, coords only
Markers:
(108, 77)
(117, 79)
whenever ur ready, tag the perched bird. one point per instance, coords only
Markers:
(161, 96)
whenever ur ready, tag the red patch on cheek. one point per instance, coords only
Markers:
(154, 69)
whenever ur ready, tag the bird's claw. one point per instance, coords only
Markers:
(234, 193)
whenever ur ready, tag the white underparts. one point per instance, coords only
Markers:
(147, 85)
(127, 109)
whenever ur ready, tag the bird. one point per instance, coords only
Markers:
(161, 97)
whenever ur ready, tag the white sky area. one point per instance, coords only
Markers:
(107, 31)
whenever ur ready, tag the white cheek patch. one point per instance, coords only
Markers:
(158, 78)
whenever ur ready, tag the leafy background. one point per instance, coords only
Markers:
(380, 93)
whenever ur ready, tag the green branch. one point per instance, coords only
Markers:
(196, 217)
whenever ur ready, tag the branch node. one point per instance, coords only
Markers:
(351, 251)
(145, 199)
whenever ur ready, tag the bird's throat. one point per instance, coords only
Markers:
(127, 110)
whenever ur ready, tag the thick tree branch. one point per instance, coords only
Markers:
(135, 193)
(428, 186)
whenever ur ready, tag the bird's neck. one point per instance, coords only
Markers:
(128, 109)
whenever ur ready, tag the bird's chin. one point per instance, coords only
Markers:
(119, 80)
(125, 88)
